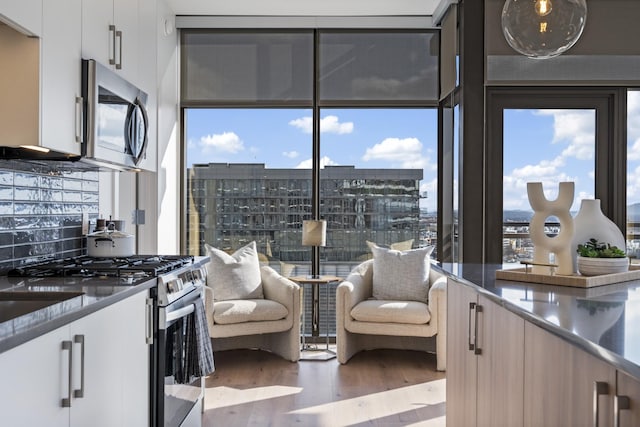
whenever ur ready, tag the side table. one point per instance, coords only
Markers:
(315, 282)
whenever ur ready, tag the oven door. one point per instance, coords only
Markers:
(178, 398)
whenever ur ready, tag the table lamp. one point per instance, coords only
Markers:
(314, 234)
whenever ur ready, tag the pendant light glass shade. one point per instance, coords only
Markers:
(543, 28)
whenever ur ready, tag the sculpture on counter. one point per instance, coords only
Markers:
(559, 245)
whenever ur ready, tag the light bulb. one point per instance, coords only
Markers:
(540, 29)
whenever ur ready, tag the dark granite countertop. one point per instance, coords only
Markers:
(602, 320)
(95, 294)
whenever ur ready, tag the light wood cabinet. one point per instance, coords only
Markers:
(485, 345)
(100, 363)
(626, 404)
(562, 381)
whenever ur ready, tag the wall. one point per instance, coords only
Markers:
(41, 208)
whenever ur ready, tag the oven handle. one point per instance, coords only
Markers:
(179, 313)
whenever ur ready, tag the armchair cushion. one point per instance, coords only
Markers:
(401, 275)
(250, 310)
(413, 312)
(235, 276)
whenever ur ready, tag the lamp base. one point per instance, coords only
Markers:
(313, 276)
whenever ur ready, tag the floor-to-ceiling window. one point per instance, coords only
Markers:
(547, 146)
(249, 100)
(633, 173)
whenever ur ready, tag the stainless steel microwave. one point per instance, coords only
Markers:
(115, 118)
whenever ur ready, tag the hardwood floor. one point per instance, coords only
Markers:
(376, 388)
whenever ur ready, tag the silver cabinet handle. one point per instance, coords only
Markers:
(119, 37)
(619, 403)
(79, 339)
(112, 53)
(148, 311)
(472, 308)
(79, 119)
(477, 349)
(599, 388)
(68, 346)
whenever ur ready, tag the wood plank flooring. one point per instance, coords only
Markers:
(376, 388)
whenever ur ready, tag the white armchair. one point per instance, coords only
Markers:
(364, 323)
(271, 323)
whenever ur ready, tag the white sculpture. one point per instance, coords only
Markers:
(544, 245)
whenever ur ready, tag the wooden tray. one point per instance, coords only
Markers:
(520, 275)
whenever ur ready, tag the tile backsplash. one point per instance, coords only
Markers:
(41, 207)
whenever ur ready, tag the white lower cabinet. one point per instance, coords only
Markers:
(109, 361)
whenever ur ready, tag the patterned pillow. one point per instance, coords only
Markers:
(235, 276)
(401, 275)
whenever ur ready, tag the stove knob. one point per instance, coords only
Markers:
(174, 285)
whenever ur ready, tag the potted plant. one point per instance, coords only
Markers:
(595, 258)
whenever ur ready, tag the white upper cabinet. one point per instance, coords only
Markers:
(24, 15)
(60, 103)
(110, 34)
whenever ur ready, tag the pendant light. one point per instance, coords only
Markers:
(543, 28)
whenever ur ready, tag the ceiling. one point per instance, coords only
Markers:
(307, 7)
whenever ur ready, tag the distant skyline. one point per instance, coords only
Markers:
(547, 146)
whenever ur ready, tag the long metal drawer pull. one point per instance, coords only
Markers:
(599, 388)
(119, 63)
(79, 119)
(68, 345)
(181, 312)
(79, 339)
(472, 307)
(148, 306)
(477, 349)
(112, 53)
(619, 403)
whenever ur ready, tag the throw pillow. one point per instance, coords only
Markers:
(235, 276)
(401, 275)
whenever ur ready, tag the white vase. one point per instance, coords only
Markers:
(597, 266)
(591, 223)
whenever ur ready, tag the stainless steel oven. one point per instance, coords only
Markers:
(177, 394)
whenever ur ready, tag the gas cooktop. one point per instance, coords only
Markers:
(86, 266)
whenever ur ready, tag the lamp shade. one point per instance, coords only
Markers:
(543, 28)
(314, 233)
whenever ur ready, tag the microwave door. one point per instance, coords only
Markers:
(136, 131)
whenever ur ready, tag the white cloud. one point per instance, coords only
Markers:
(328, 124)
(290, 154)
(406, 153)
(574, 128)
(324, 161)
(228, 142)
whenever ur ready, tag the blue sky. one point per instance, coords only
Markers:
(364, 138)
(547, 146)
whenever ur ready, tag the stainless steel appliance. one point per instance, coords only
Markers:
(176, 398)
(178, 394)
(115, 118)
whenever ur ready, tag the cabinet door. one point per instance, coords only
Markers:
(135, 360)
(97, 40)
(60, 76)
(560, 382)
(101, 400)
(461, 362)
(34, 382)
(500, 386)
(629, 388)
(26, 14)
(125, 16)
